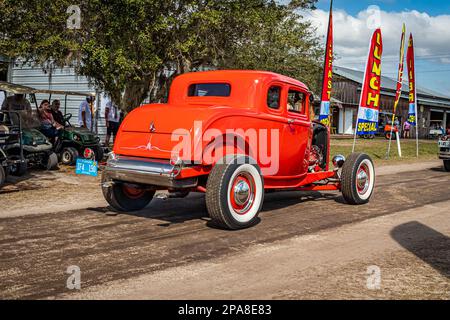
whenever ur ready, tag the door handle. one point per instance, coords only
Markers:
(291, 121)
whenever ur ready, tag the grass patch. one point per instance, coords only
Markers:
(377, 149)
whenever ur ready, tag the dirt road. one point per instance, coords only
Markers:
(306, 246)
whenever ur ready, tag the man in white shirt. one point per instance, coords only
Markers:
(85, 113)
(112, 117)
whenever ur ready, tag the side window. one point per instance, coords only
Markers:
(296, 101)
(274, 97)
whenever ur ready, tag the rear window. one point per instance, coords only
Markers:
(209, 90)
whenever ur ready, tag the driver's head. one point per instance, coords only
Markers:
(56, 104)
(45, 105)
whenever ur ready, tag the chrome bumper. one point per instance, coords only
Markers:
(154, 172)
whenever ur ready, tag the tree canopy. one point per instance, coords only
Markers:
(132, 49)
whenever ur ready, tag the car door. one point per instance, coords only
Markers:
(297, 132)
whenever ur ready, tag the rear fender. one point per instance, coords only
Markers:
(219, 146)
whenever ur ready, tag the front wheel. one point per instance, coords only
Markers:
(235, 193)
(358, 179)
(69, 156)
(447, 165)
(124, 196)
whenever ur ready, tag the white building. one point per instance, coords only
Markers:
(59, 79)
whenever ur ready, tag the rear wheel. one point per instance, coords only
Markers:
(99, 154)
(235, 193)
(388, 136)
(447, 165)
(124, 196)
(69, 156)
(19, 168)
(358, 179)
(2, 176)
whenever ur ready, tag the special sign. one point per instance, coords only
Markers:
(369, 106)
(412, 114)
(324, 116)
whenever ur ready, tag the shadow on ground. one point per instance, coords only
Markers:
(427, 244)
(175, 211)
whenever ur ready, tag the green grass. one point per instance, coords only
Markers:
(377, 149)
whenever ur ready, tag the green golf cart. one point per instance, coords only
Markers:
(31, 148)
(74, 142)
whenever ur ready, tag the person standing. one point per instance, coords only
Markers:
(112, 117)
(86, 113)
(406, 130)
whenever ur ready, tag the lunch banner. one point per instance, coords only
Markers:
(412, 114)
(324, 116)
(369, 106)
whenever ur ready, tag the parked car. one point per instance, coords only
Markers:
(189, 145)
(444, 151)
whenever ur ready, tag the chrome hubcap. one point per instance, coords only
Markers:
(241, 192)
(363, 179)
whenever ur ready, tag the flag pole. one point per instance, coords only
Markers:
(325, 104)
(398, 93)
(361, 98)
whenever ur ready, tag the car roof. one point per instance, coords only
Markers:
(236, 75)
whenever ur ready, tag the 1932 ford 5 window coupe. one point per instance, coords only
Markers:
(233, 135)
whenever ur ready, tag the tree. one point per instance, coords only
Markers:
(132, 49)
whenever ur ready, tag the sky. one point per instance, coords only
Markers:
(428, 20)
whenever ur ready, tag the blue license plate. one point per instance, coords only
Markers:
(87, 167)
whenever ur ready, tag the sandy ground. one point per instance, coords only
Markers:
(333, 264)
(49, 191)
(307, 245)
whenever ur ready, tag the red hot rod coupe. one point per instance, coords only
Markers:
(232, 135)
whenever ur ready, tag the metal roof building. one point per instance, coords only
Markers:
(433, 107)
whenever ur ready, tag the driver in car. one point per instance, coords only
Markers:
(56, 112)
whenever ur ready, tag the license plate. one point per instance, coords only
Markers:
(87, 167)
(444, 144)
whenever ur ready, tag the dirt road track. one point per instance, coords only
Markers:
(36, 250)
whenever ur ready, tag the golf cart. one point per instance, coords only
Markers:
(32, 149)
(75, 142)
(10, 135)
(385, 127)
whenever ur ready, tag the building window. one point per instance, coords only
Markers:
(209, 90)
(274, 97)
